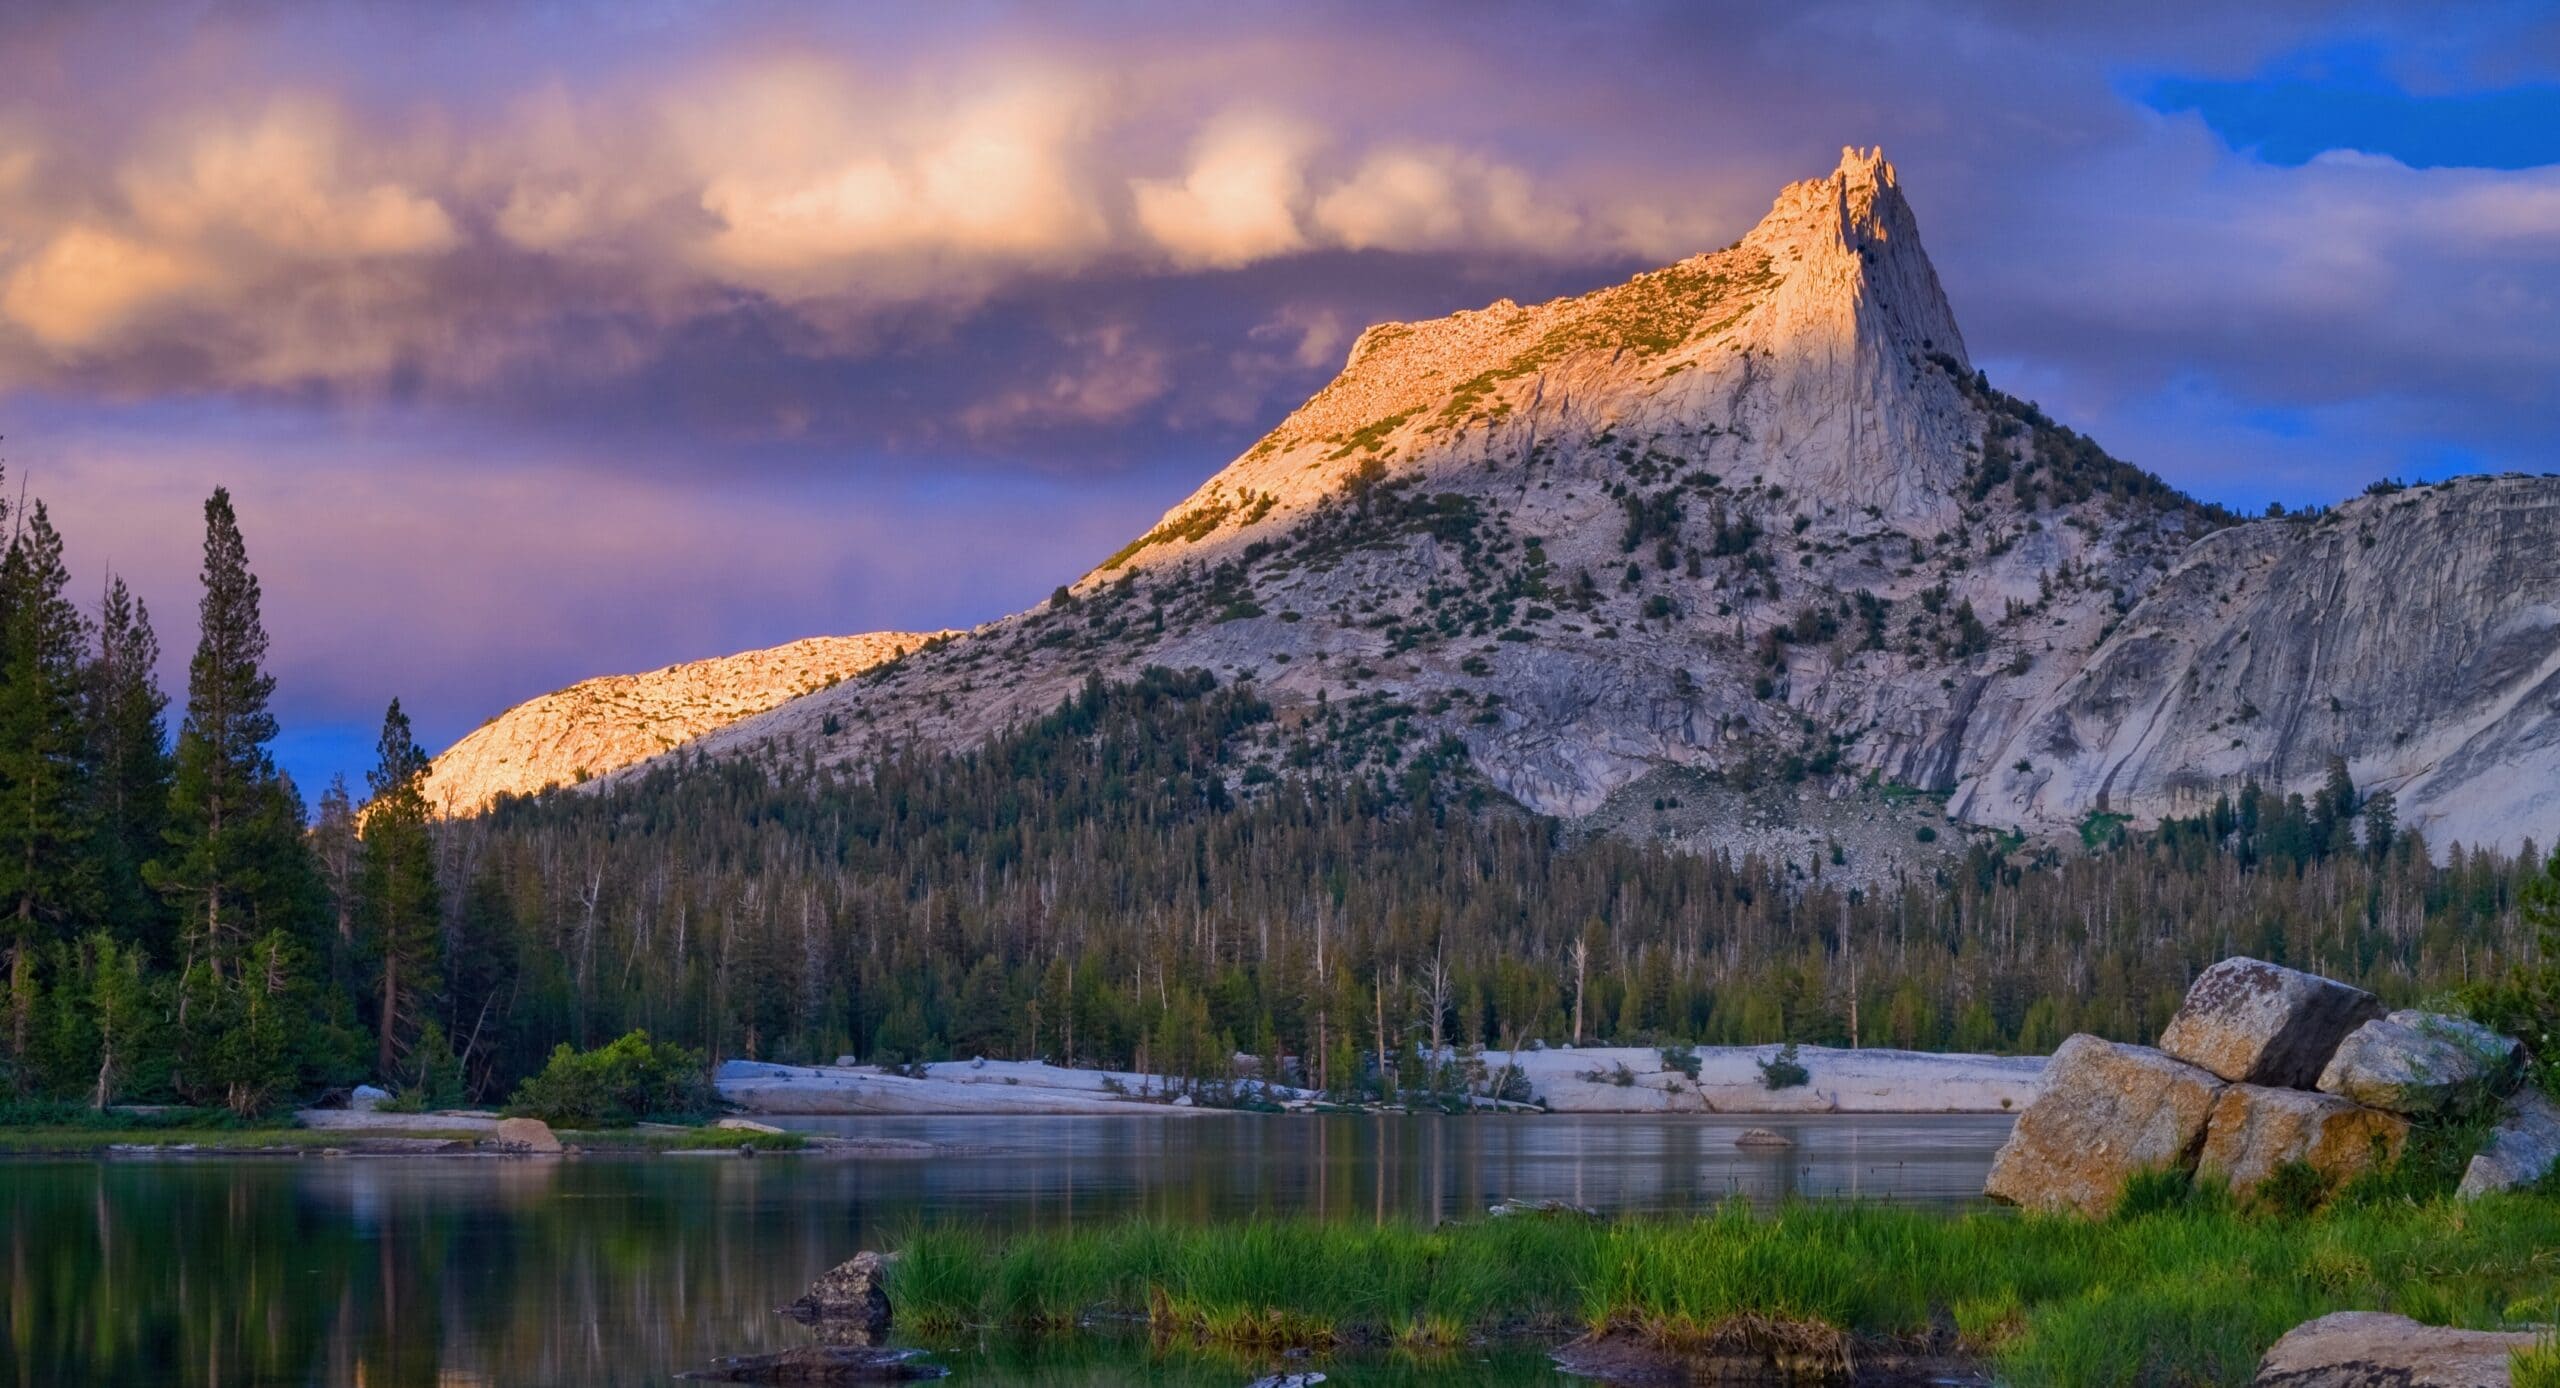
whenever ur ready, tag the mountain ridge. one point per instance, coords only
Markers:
(1752, 517)
(602, 724)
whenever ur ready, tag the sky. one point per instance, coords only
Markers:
(548, 340)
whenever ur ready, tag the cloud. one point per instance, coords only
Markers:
(86, 282)
(1239, 201)
(1111, 377)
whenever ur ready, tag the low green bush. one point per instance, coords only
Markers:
(1784, 1070)
(631, 1080)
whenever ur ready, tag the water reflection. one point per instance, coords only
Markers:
(1418, 1167)
(443, 1272)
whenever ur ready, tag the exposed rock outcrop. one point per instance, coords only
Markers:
(2252, 1022)
(2521, 1150)
(2107, 1111)
(2255, 1129)
(602, 725)
(2368, 1349)
(2419, 1063)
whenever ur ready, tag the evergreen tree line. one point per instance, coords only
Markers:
(1104, 886)
(1100, 887)
(169, 931)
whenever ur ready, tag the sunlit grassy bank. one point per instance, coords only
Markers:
(2190, 1294)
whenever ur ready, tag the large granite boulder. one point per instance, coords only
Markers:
(2367, 1349)
(2521, 1150)
(2419, 1063)
(2254, 1130)
(526, 1135)
(2252, 1022)
(2106, 1112)
(849, 1303)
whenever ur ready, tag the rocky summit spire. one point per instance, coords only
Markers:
(1801, 356)
(1849, 242)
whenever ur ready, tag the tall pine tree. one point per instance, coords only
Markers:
(233, 862)
(397, 889)
(128, 750)
(47, 878)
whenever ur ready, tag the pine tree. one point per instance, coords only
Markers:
(128, 752)
(47, 878)
(231, 851)
(397, 890)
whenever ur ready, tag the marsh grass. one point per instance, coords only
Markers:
(2187, 1289)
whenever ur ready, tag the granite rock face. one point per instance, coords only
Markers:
(2254, 1130)
(601, 725)
(2419, 1063)
(2521, 1150)
(2107, 1111)
(2368, 1349)
(2414, 634)
(2251, 1022)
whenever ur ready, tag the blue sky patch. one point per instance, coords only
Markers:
(2341, 99)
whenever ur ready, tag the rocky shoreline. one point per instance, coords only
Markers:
(1560, 1080)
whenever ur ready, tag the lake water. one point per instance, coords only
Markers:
(606, 1271)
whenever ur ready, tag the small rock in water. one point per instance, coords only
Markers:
(849, 1302)
(822, 1364)
(1761, 1137)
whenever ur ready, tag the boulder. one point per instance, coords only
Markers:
(526, 1135)
(2254, 1130)
(849, 1300)
(2367, 1349)
(745, 1125)
(2107, 1111)
(2419, 1063)
(368, 1098)
(2252, 1022)
(1761, 1137)
(2521, 1150)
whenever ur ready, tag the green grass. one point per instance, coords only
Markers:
(56, 1141)
(2192, 1293)
(680, 1140)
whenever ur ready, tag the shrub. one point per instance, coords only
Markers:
(1784, 1070)
(1683, 1058)
(614, 1086)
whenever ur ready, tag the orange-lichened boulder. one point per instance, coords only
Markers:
(2254, 1130)
(2106, 1111)
(2252, 1022)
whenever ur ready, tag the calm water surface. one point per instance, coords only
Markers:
(607, 1271)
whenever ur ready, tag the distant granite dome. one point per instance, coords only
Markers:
(1751, 521)
(602, 725)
